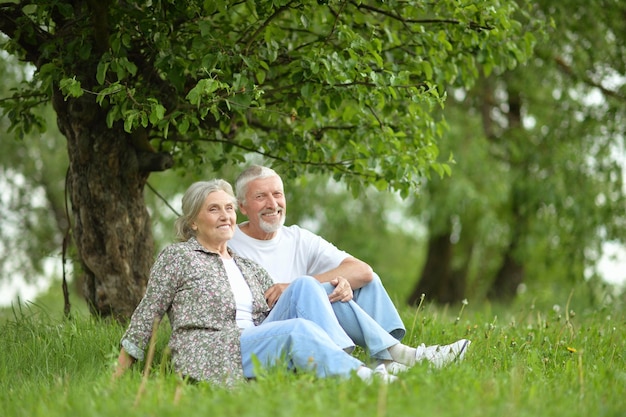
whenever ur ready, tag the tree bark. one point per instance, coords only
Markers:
(511, 272)
(110, 221)
(508, 279)
(439, 281)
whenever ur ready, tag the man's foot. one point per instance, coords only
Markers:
(440, 356)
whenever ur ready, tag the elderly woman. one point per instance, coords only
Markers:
(216, 304)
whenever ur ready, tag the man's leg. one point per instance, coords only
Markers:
(301, 343)
(362, 328)
(345, 323)
(375, 301)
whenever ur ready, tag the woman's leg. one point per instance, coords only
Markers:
(305, 298)
(302, 344)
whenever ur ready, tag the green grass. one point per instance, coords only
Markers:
(524, 361)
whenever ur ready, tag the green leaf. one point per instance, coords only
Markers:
(71, 87)
(101, 72)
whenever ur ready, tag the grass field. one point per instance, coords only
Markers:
(524, 361)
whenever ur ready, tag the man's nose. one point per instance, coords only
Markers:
(271, 202)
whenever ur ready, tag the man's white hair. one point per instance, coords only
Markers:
(251, 173)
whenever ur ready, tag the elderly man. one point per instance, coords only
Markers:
(288, 252)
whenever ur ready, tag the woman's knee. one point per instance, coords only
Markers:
(312, 285)
(305, 281)
(307, 284)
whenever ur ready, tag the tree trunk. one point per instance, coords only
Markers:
(110, 222)
(511, 273)
(439, 281)
(508, 279)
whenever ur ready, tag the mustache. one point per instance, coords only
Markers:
(270, 211)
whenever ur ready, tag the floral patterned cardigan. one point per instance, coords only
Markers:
(190, 284)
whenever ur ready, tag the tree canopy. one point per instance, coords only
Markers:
(345, 87)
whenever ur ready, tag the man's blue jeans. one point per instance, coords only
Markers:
(377, 304)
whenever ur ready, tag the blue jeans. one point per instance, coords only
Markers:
(345, 323)
(362, 328)
(302, 343)
(319, 337)
(303, 329)
(375, 302)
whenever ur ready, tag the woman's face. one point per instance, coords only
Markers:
(215, 223)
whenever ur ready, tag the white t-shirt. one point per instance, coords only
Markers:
(292, 253)
(243, 295)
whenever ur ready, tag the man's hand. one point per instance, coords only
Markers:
(342, 292)
(273, 293)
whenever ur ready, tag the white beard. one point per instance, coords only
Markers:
(268, 227)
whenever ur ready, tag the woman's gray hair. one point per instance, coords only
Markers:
(192, 204)
(250, 174)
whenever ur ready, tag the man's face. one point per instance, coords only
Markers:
(265, 204)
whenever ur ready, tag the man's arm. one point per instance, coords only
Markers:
(351, 274)
(357, 272)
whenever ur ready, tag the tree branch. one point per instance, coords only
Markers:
(567, 69)
(23, 31)
(264, 25)
(472, 25)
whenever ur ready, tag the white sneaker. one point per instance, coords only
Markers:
(395, 368)
(380, 373)
(440, 356)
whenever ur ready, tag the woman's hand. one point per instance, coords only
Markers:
(342, 292)
(124, 361)
(273, 293)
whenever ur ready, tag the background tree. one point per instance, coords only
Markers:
(345, 87)
(550, 180)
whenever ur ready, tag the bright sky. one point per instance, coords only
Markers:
(612, 266)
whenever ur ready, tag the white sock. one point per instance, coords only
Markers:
(403, 354)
